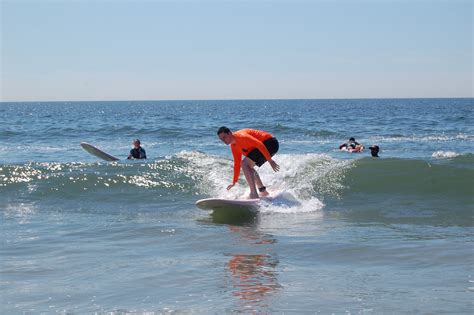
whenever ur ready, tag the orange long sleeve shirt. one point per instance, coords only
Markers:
(247, 140)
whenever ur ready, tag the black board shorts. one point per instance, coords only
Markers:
(255, 155)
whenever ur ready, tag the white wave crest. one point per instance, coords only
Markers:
(444, 154)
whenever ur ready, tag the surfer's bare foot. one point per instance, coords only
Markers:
(264, 193)
(252, 196)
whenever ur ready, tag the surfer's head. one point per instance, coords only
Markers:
(223, 129)
(374, 150)
(136, 143)
(352, 139)
(225, 135)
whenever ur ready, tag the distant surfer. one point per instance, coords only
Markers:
(137, 152)
(258, 147)
(351, 146)
(374, 150)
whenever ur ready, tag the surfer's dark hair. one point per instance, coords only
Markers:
(223, 129)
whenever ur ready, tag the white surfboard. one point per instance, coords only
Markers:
(97, 152)
(222, 203)
(352, 150)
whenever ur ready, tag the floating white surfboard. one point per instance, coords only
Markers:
(352, 150)
(221, 203)
(97, 152)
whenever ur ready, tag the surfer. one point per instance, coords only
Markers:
(374, 150)
(258, 147)
(351, 146)
(137, 152)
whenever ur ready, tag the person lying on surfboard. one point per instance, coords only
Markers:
(258, 147)
(137, 152)
(351, 146)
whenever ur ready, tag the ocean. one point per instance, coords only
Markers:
(349, 233)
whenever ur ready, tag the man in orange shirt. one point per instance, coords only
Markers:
(258, 147)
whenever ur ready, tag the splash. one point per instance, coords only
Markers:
(296, 188)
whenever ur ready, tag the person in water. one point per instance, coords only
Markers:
(351, 146)
(258, 147)
(374, 150)
(137, 152)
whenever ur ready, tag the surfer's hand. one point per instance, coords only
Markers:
(230, 186)
(274, 165)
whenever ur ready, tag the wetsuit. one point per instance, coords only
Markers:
(257, 145)
(138, 153)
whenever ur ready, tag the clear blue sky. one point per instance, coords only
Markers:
(157, 50)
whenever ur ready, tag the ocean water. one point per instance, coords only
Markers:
(347, 234)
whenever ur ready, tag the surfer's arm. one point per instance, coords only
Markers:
(237, 160)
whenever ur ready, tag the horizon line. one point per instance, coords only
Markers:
(240, 99)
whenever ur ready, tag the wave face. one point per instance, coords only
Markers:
(409, 189)
(412, 177)
(412, 191)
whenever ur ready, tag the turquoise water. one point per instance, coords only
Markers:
(348, 233)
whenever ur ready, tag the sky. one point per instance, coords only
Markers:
(84, 50)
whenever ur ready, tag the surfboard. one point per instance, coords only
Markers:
(222, 203)
(352, 150)
(97, 152)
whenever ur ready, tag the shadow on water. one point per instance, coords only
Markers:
(234, 216)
